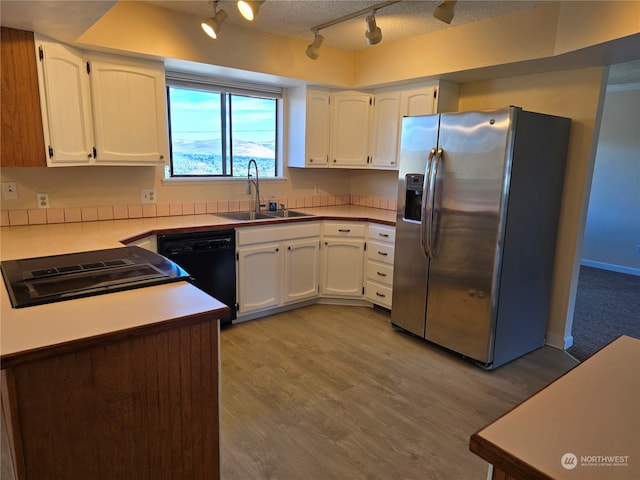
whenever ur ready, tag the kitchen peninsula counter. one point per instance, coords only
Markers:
(585, 425)
(125, 384)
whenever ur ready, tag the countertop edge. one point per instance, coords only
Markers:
(18, 358)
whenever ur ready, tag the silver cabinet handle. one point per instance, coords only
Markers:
(384, 235)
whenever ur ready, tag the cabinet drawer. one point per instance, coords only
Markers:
(338, 229)
(380, 252)
(380, 272)
(251, 235)
(382, 234)
(379, 294)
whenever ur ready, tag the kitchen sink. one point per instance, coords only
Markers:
(247, 216)
(288, 214)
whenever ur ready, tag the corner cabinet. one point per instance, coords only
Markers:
(100, 109)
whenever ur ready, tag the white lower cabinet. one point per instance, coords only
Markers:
(379, 266)
(301, 264)
(342, 259)
(277, 265)
(259, 277)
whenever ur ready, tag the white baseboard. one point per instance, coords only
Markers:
(558, 341)
(611, 266)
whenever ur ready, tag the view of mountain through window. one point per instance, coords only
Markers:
(217, 133)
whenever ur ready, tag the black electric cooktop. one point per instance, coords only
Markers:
(34, 281)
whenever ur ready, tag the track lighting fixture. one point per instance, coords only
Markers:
(444, 11)
(249, 9)
(374, 34)
(212, 25)
(313, 50)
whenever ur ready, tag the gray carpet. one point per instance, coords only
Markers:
(607, 306)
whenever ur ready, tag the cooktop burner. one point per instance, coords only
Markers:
(34, 281)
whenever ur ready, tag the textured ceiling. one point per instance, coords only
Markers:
(294, 18)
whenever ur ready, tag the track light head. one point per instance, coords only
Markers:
(444, 12)
(373, 34)
(313, 50)
(249, 9)
(212, 25)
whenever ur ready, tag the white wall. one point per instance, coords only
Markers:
(612, 231)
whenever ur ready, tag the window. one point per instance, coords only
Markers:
(215, 130)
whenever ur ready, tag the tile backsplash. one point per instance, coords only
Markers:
(149, 210)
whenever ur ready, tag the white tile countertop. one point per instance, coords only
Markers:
(26, 331)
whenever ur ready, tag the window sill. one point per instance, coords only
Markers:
(217, 180)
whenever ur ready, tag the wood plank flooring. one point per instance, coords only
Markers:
(329, 392)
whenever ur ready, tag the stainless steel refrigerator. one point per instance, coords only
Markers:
(478, 204)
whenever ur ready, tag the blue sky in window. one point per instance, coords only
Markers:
(195, 115)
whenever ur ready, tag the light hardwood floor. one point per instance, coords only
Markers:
(328, 392)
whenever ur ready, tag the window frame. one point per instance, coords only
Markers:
(224, 87)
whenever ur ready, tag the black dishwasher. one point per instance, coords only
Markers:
(210, 259)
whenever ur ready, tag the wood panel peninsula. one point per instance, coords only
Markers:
(583, 426)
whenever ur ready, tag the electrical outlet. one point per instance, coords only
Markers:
(9, 191)
(147, 195)
(316, 189)
(43, 200)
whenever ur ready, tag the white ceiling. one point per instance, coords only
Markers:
(294, 18)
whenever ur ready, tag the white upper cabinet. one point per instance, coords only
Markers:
(418, 101)
(65, 96)
(358, 129)
(101, 109)
(350, 129)
(385, 130)
(129, 106)
(309, 113)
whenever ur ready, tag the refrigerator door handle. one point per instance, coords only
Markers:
(432, 202)
(423, 214)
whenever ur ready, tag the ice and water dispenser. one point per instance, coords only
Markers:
(413, 196)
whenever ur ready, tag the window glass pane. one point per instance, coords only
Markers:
(253, 134)
(196, 132)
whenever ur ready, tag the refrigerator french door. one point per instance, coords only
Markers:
(478, 204)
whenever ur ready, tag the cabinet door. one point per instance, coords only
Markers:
(301, 263)
(342, 267)
(67, 105)
(130, 115)
(350, 130)
(418, 101)
(318, 132)
(259, 277)
(21, 137)
(385, 130)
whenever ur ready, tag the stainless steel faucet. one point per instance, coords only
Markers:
(255, 182)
